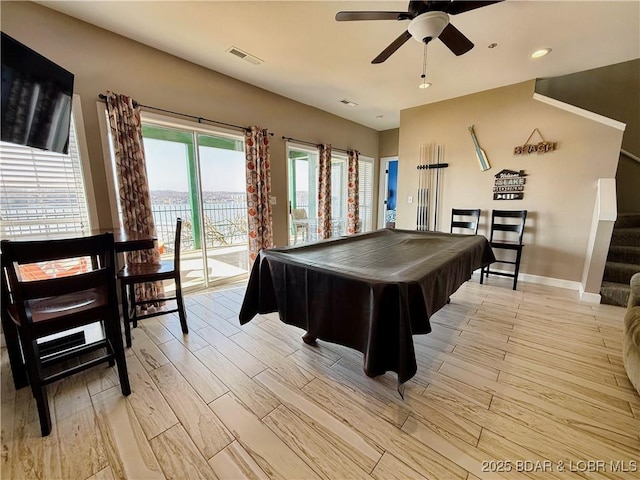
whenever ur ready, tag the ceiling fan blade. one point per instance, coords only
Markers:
(455, 40)
(395, 45)
(460, 6)
(352, 16)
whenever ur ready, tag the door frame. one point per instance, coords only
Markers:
(292, 145)
(383, 187)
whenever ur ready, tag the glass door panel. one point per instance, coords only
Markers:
(303, 187)
(173, 186)
(224, 207)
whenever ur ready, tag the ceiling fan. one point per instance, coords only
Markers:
(428, 20)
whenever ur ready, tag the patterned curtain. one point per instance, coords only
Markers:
(324, 191)
(133, 187)
(353, 193)
(256, 145)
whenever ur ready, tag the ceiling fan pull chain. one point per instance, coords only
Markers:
(424, 63)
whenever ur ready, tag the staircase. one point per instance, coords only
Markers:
(623, 260)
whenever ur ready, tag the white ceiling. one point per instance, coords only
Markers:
(311, 58)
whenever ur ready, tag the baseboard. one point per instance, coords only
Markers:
(589, 297)
(549, 281)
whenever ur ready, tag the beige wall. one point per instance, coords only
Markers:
(389, 140)
(561, 186)
(103, 61)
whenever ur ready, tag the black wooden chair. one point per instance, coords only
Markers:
(54, 305)
(507, 230)
(138, 273)
(465, 219)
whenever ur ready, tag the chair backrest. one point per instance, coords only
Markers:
(98, 273)
(470, 224)
(509, 221)
(299, 214)
(176, 244)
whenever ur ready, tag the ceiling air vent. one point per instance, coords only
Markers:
(244, 56)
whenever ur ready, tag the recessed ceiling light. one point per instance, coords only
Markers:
(348, 103)
(492, 45)
(541, 53)
(424, 85)
(379, 116)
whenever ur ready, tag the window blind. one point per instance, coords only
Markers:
(42, 192)
(365, 195)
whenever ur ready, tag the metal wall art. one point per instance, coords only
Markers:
(509, 185)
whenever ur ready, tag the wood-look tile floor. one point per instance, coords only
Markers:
(519, 384)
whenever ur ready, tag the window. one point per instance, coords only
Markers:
(339, 193)
(42, 192)
(365, 178)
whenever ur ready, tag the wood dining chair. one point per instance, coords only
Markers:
(467, 219)
(507, 231)
(43, 312)
(132, 274)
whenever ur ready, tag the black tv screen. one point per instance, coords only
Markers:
(36, 98)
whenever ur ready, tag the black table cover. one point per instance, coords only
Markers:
(370, 292)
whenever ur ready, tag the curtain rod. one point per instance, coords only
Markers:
(289, 139)
(199, 119)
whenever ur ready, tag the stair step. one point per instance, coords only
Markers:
(615, 293)
(627, 220)
(620, 272)
(624, 254)
(626, 237)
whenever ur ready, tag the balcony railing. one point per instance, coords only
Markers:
(224, 224)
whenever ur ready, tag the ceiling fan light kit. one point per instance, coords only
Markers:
(428, 20)
(428, 26)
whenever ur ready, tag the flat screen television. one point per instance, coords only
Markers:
(36, 98)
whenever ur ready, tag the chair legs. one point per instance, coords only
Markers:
(486, 270)
(130, 315)
(18, 369)
(36, 376)
(125, 312)
(34, 370)
(517, 269)
(182, 313)
(114, 335)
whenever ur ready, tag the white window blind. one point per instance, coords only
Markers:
(365, 180)
(42, 192)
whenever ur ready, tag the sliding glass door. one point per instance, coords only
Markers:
(199, 177)
(303, 194)
(224, 206)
